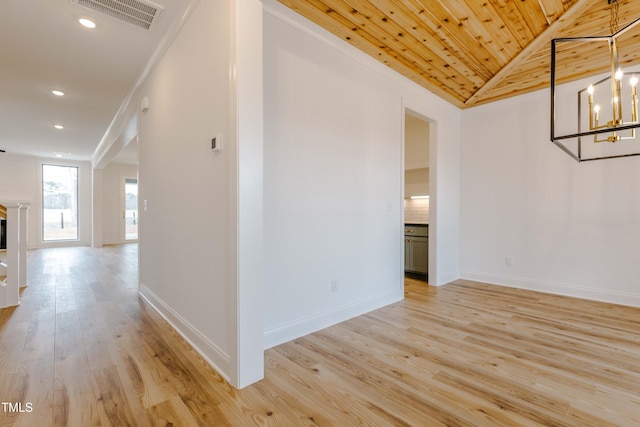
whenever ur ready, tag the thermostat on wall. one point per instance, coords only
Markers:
(216, 143)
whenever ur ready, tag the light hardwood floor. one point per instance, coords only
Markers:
(82, 349)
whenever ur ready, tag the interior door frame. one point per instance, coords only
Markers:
(432, 262)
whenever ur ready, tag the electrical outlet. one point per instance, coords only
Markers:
(508, 261)
(334, 285)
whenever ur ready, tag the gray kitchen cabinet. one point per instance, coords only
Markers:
(407, 254)
(416, 249)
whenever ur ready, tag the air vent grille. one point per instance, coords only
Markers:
(139, 13)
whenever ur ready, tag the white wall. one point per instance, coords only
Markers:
(333, 185)
(185, 266)
(416, 157)
(20, 179)
(113, 177)
(200, 238)
(416, 140)
(571, 228)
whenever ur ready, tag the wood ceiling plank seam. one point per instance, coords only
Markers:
(493, 55)
(449, 29)
(513, 20)
(385, 55)
(511, 13)
(540, 79)
(546, 9)
(420, 55)
(477, 73)
(553, 9)
(358, 22)
(510, 91)
(563, 73)
(484, 29)
(448, 41)
(543, 39)
(598, 63)
(534, 17)
(595, 22)
(583, 60)
(408, 40)
(441, 70)
(534, 82)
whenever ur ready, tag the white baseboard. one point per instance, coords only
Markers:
(603, 295)
(292, 330)
(218, 359)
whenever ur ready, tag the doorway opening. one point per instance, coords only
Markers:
(130, 209)
(416, 196)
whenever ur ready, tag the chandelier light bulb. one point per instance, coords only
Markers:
(596, 108)
(619, 74)
(633, 81)
(590, 90)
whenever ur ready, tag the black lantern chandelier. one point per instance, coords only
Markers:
(607, 110)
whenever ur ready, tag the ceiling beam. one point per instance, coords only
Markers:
(566, 20)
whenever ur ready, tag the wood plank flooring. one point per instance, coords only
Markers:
(83, 350)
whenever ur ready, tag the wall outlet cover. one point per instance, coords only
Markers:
(216, 143)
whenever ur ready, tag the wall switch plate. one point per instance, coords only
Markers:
(216, 143)
(334, 285)
(508, 261)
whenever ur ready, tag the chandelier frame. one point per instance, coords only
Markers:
(560, 139)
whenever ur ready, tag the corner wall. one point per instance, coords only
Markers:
(571, 228)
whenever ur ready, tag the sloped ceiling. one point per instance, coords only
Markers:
(471, 52)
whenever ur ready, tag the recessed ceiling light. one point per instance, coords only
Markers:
(58, 155)
(88, 23)
(57, 92)
(58, 126)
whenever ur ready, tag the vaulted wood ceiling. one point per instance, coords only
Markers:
(471, 52)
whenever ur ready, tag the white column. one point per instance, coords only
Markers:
(22, 245)
(247, 134)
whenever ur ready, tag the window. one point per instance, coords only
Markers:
(131, 209)
(59, 202)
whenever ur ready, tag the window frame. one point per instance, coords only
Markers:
(77, 198)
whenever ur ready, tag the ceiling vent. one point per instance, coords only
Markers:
(136, 12)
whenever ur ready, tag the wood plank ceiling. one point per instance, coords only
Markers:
(472, 52)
